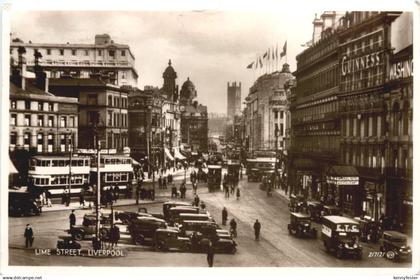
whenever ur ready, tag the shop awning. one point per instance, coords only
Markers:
(168, 154)
(343, 170)
(12, 168)
(178, 154)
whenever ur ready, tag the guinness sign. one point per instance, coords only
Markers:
(364, 62)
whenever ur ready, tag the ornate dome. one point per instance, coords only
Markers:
(169, 72)
(188, 91)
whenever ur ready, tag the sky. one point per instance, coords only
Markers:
(208, 46)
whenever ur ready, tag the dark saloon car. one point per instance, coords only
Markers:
(143, 229)
(88, 227)
(68, 242)
(169, 238)
(394, 244)
(300, 225)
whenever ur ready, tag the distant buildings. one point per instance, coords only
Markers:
(233, 107)
(104, 58)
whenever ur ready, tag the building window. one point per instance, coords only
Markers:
(39, 142)
(281, 114)
(110, 100)
(92, 99)
(276, 115)
(27, 120)
(39, 106)
(62, 143)
(110, 118)
(281, 129)
(123, 53)
(93, 118)
(73, 52)
(61, 51)
(48, 51)
(111, 53)
(50, 121)
(26, 140)
(63, 121)
(86, 52)
(99, 52)
(50, 107)
(27, 105)
(40, 120)
(13, 119)
(13, 104)
(13, 138)
(72, 122)
(50, 143)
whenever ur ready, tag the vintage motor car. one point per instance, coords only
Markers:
(200, 243)
(194, 217)
(369, 229)
(174, 213)
(143, 229)
(126, 216)
(296, 202)
(67, 242)
(23, 203)
(394, 244)
(341, 236)
(169, 238)
(169, 204)
(314, 208)
(300, 225)
(205, 228)
(88, 227)
(330, 210)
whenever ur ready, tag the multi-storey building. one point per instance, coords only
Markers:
(104, 57)
(376, 109)
(194, 119)
(315, 120)
(266, 113)
(103, 111)
(40, 122)
(233, 100)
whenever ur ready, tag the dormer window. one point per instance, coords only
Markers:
(73, 52)
(111, 53)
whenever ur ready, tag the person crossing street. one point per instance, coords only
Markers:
(257, 229)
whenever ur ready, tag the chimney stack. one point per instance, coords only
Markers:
(316, 35)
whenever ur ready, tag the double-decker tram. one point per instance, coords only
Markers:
(115, 170)
(53, 173)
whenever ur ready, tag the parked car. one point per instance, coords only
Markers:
(194, 217)
(315, 208)
(68, 242)
(207, 229)
(169, 204)
(341, 236)
(169, 238)
(394, 244)
(22, 203)
(174, 213)
(88, 227)
(143, 229)
(369, 230)
(296, 203)
(300, 225)
(200, 243)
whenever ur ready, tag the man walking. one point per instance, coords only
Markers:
(257, 229)
(224, 216)
(29, 236)
(183, 189)
(72, 219)
(210, 254)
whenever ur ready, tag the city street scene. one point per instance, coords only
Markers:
(206, 139)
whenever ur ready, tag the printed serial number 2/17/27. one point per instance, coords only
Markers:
(376, 254)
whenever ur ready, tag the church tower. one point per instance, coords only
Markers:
(170, 88)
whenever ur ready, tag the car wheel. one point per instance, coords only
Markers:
(78, 236)
(104, 233)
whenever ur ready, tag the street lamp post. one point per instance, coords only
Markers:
(154, 163)
(70, 158)
(276, 134)
(97, 240)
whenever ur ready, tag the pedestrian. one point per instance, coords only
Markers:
(196, 201)
(114, 235)
(164, 186)
(160, 182)
(194, 185)
(203, 205)
(238, 193)
(257, 229)
(63, 197)
(174, 192)
(210, 254)
(183, 189)
(29, 236)
(116, 193)
(224, 216)
(225, 189)
(232, 189)
(72, 219)
(49, 196)
(82, 197)
(233, 227)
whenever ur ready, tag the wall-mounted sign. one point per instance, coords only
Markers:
(364, 62)
(343, 180)
(401, 69)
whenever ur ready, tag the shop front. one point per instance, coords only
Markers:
(343, 189)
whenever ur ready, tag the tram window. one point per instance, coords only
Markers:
(109, 177)
(66, 163)
(117, 177)
(63, 180)
(124, 177)
(55, 163)
(54, 181)
(60, 163)
(80, 162)
(102, 160)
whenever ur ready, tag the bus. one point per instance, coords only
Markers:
(52, 173)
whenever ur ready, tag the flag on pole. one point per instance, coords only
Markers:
(277, 51)
(265, 55)
(284, 52)
(261, 64)
(272, 54)
(250, 65)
